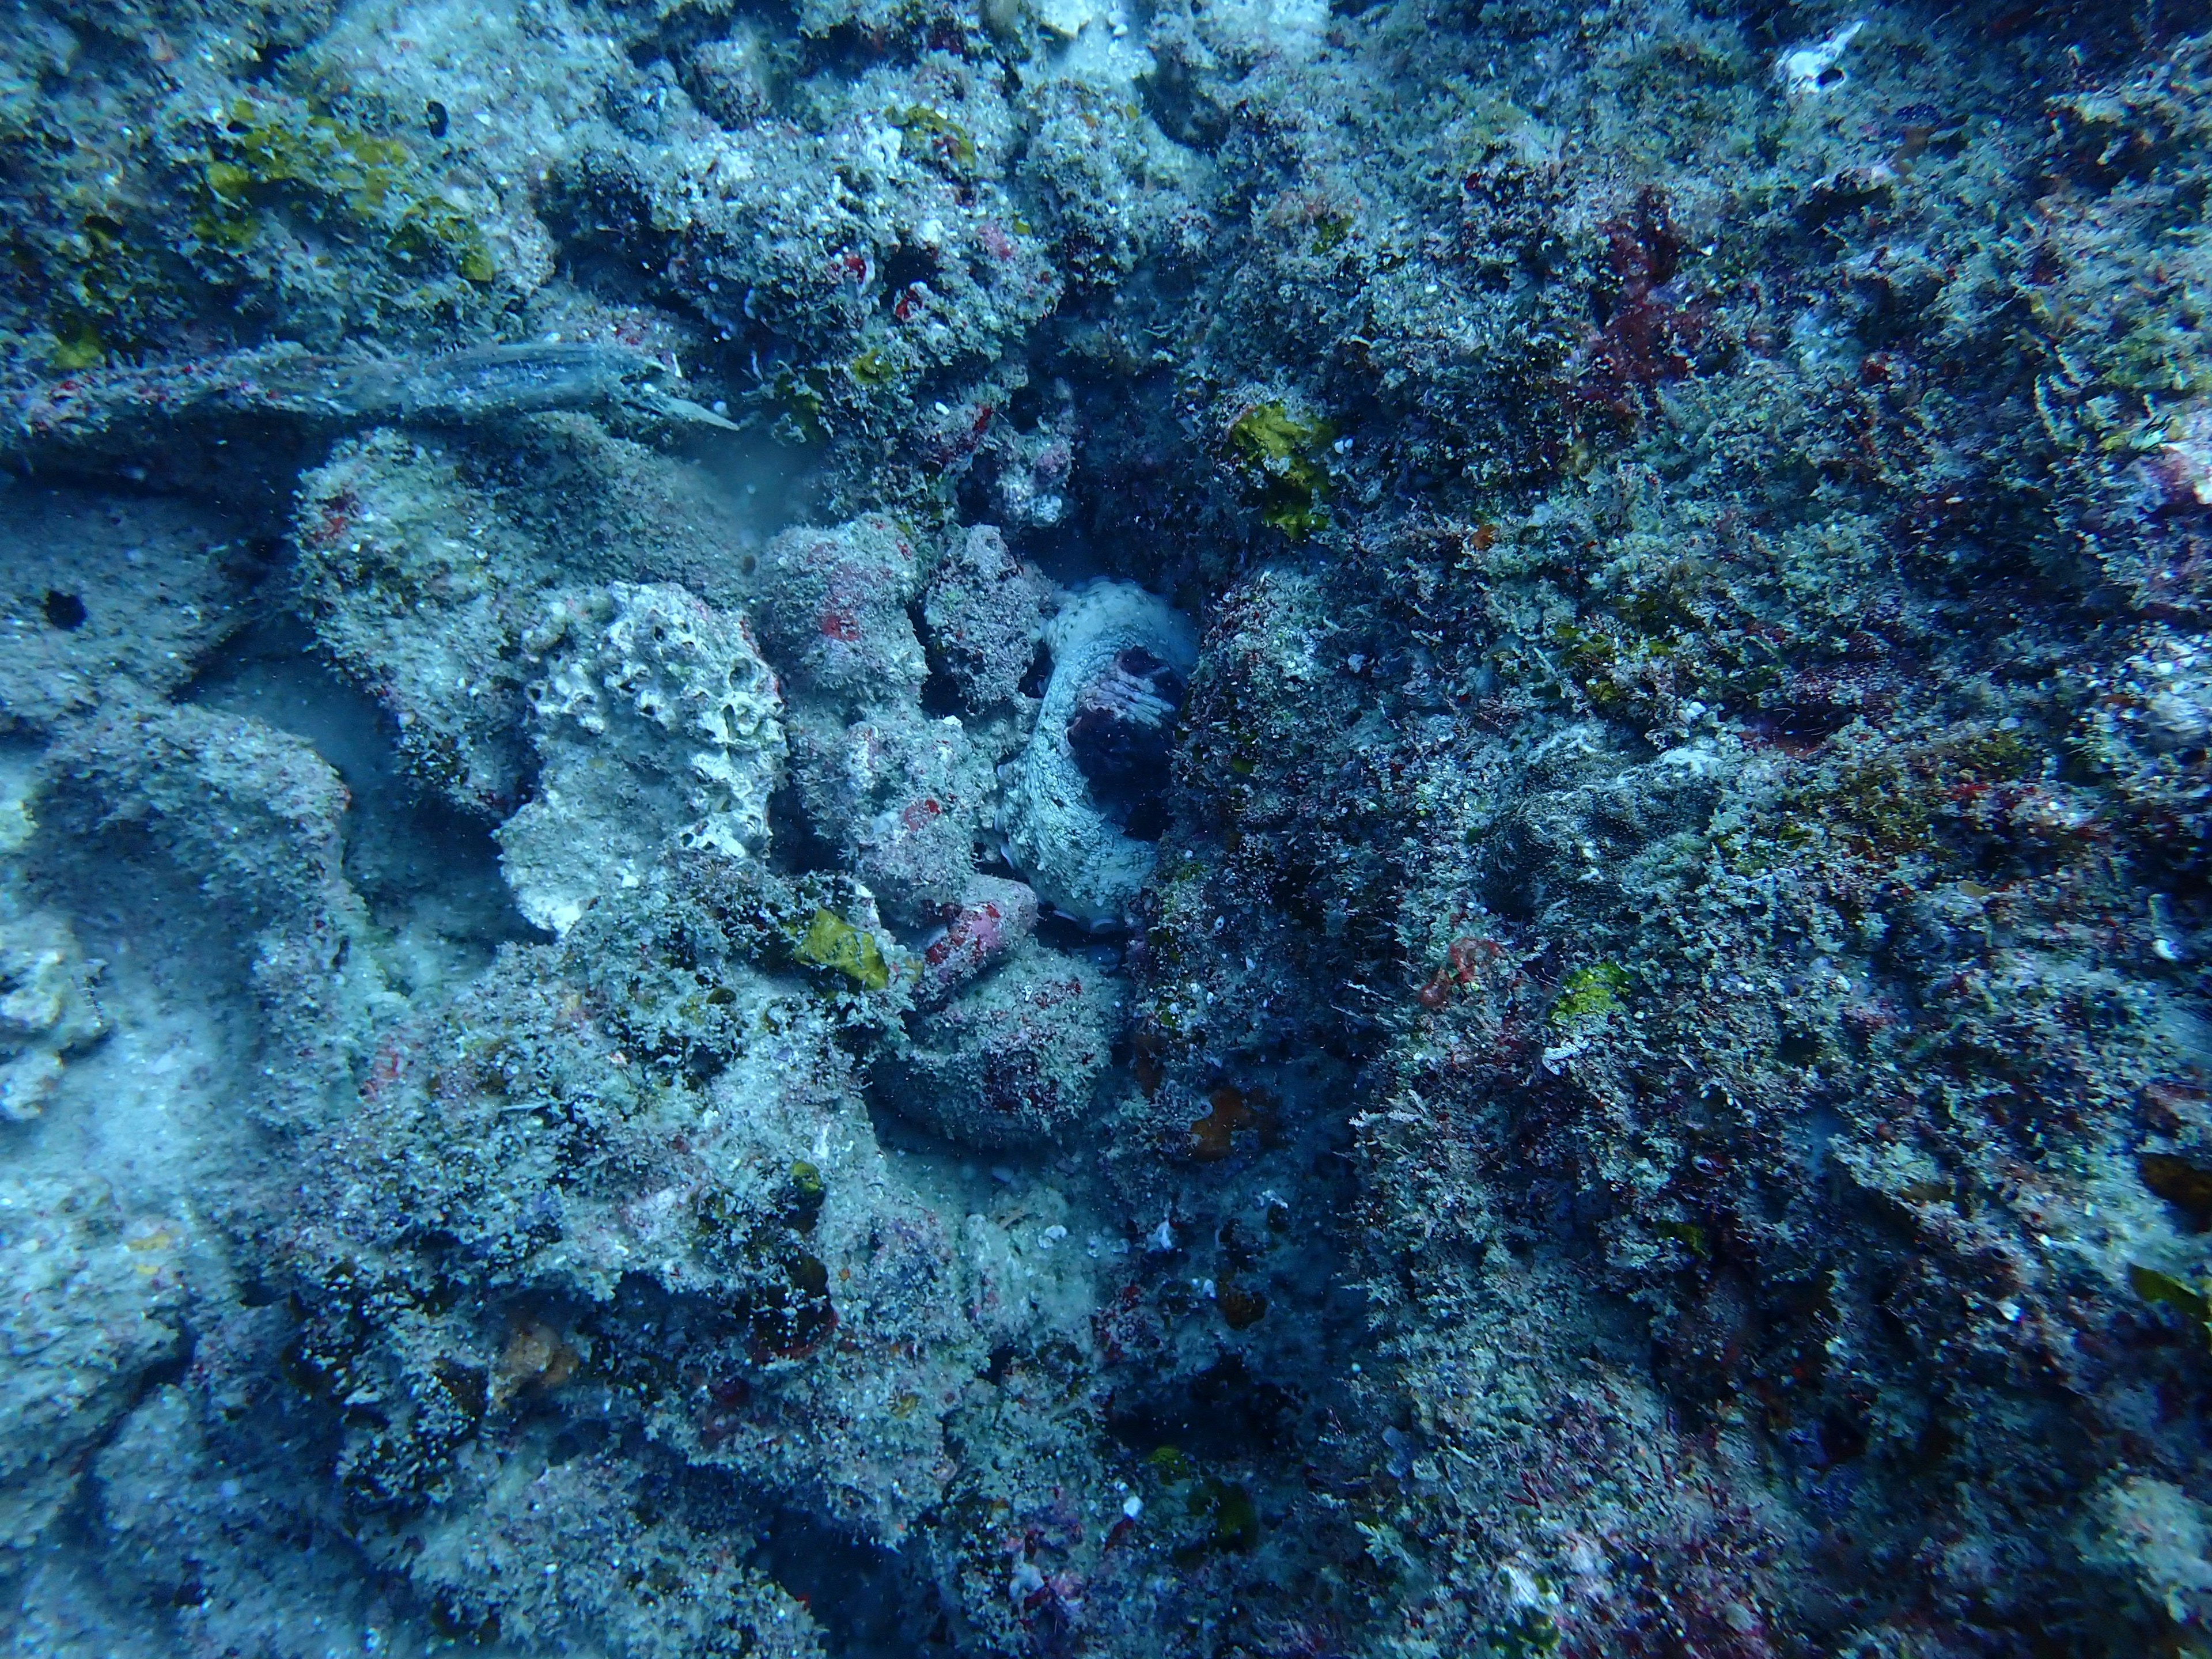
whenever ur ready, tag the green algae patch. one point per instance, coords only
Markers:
(804, 1193)
(928, 130)
(1590, 994)
(1688, 1234)
(789, 1319)
(2184, 1298)
(265, 155)
(77, 345)
(110, 282)
(1530, 1633)
(831, 942)
(1171, 1465)
(1281, 456)
(871, 370)
(802, 395)
(1231, 1518)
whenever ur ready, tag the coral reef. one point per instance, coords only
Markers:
(1066, 831)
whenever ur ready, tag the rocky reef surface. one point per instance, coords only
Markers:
(1221, 830)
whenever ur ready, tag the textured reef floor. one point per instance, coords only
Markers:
(1201, 830)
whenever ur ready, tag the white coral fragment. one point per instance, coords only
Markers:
(1805, 71)
(656, 723)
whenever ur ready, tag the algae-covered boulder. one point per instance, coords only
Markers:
(1018, 1058)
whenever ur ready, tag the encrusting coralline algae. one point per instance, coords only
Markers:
(1048, 827)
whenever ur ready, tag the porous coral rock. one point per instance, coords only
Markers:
(397, 528)
(1109, 645)
(656, 723)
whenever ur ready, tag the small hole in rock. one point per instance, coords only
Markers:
(65, 611)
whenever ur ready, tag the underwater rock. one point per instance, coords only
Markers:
(652, 1141)
(656, 723)
(592, 1515)
(833, 611)
(887, 323)
(984, 611)
(2149, 730)
(904, 797)
(1667, 1096)
(209, 1491)
(47, 1009)
(1016, 1060)
(731, 80)
(389, 533)
(89, 1303)
(994, 919)
(193, 800)
(1083, 799)
(2155, 1536)
(99, 592)
(251, 815)
(424, 559)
